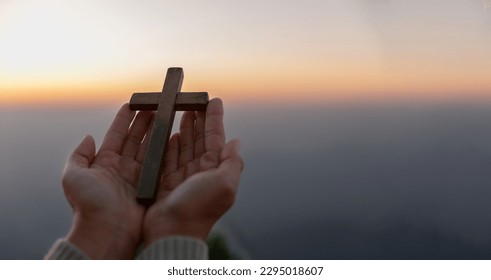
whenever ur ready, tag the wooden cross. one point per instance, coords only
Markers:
(166, 103)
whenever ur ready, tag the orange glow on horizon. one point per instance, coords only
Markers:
(328, 51)
(342, 83)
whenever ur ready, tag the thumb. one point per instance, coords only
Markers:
(84, 154)
(231, 164)
(230, 151)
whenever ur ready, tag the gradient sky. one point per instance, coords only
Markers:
(81, 52)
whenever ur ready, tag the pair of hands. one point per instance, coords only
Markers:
(199, 183)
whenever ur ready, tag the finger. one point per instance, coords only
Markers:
(214, 131)
(137, 131)
(142, 150)
(231, 165)
(116, 135)
(199, 134)
(186, 138)
(84, 153)
(172, 155)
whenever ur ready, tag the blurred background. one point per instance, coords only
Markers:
(365, 124)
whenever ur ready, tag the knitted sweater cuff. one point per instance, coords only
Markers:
(64, 250)
(175, 248)
(170, 248)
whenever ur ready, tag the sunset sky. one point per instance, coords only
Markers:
(405, 179)
(87, 52)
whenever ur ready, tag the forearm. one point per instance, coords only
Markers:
(100, 240)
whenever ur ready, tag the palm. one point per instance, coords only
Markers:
(180, 188)
(102, 186)
(107, 185)
(192, 177)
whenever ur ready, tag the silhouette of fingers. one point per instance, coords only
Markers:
(231, 164)
(172, 155)
(84, 154)
(186, 138)
(142, 150)
(214, 131)
(118, 131)
(137, 132)
(199, 134)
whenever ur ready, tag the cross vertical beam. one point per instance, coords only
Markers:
(166, 103)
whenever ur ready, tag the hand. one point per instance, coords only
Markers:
(200, 178)
(101, 189)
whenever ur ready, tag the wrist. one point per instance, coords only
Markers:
(171, 227)
(101, 240)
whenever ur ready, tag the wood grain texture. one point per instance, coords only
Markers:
(185, 101)
(166, 103)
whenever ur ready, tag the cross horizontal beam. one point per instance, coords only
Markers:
(185, 101)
